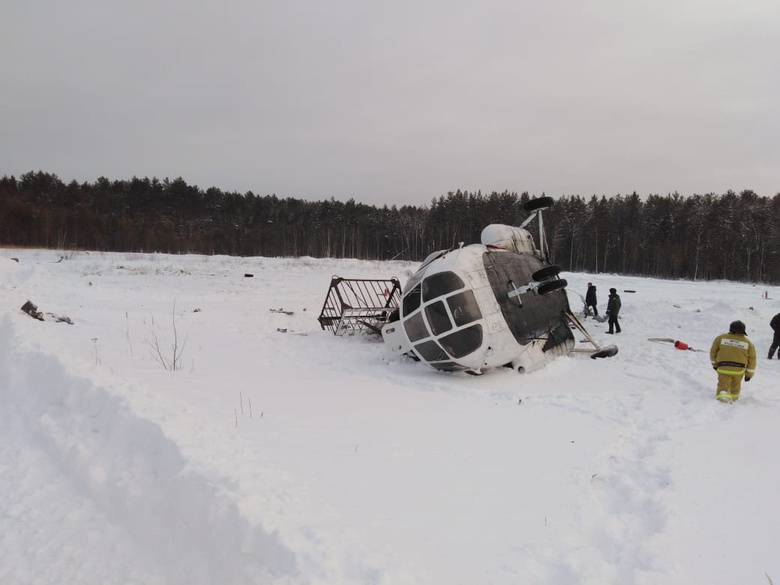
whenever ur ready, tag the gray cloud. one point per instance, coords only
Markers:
(396, 102)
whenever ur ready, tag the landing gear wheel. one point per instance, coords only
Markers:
(605, 352)
(553, 285)
(538, 203)
(546, 272)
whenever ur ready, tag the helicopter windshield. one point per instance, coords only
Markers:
(447, 331)
(440, 284)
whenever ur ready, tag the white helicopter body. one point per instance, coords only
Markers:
(481, 306)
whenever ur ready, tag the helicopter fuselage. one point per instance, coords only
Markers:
(493, 304)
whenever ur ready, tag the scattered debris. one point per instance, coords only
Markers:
(15, 260)
(248, 275)
(32, 310)
(283, 311)
(291, 331)
(60, 318)
(628, 290)
(196, 310)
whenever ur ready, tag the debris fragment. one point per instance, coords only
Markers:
(32, 310)
(283, 311)
(60, 318)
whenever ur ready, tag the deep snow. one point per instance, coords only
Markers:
(282, 454)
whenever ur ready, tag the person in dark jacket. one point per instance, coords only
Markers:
(590, 299)
(775, 325)
(733, 356)
(613, 310)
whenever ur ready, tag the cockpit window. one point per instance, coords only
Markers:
(441, 284)
(430, 351)
(415, 328)
(463, 342)
(449, 366)
(464, 308)
(412, 301)
(438, 318)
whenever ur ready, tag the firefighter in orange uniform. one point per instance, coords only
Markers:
(733, 356)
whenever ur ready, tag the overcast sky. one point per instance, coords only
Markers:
(396, 101)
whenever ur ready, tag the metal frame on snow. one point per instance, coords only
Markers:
(356, 304)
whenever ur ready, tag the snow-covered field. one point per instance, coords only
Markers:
(281, 454)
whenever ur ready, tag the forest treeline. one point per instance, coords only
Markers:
(734, 236)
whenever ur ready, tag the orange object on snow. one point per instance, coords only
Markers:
(681, 345)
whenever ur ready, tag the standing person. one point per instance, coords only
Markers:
(775, 324)
(732, 355)
(613, 310)
(590, 299)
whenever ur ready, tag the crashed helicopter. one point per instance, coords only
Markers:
(498, 303)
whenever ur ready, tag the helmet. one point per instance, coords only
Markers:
(737, 327)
